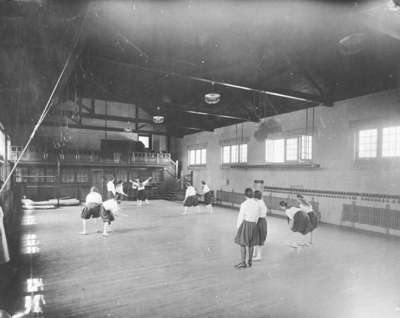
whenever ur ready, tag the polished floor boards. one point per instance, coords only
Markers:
(158, 263)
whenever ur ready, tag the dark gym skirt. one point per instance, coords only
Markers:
(208, 197)
(142, 195)
(110, 195)
(92, 210)
(246, 234)
(304, 222)
(261, 232)
(191, 201)
(106, 215)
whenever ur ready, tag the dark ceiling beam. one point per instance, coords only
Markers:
(107, 117)
(102, 128)
(279, 93)
(204, 113)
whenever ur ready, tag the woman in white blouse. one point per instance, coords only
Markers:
(191, 199)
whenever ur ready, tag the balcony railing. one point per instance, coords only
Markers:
(143, 158)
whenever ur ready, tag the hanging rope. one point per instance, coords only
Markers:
(47, 106)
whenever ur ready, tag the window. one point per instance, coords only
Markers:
(275, 150)
(192, 157)
(293, 149)
(226, 154)
(391, 142)
(2, 144)
(367, 143)
(204, 155)
(82, 175)
(236, 153)
(243, 153)
(197, 156)
(306, 148)
(145, 140)
(67, 175)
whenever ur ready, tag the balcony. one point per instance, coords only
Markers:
(36, 156)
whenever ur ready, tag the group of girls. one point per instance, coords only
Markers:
(191, 198)
(251, 228)
(252, 225)
(95, 207)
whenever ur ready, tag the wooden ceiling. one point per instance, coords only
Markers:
(263, 57)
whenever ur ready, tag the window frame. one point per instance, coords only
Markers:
(199, 156)
(303, 155)
(379, 143)
(234, 157)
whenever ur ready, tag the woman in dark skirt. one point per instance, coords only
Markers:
(208, 196)
(299, 222)
(92, 207)
(108, 210)
(308, 208)
(247, 228)
(261, 234)
(191, 199)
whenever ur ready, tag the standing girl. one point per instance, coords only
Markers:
(190, 199)
(247, 228)
(141, 187)
(261, 234)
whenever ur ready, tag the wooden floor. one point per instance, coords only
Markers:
(158, 263)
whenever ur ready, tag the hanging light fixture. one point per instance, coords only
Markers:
(212, 98)
(158, 118)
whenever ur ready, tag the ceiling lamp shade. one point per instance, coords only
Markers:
(158, 118)
(212, 98)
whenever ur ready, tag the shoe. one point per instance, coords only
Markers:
(83, 233)
(105, 234)
(250, 263)
(257, 259)
(240, 265)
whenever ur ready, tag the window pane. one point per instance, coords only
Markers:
(145, 140)
(203, 156)
(391, 142)
(243, 153)
(226, 153)
(82, 175)
(234, 154)
(198, 156)
(2, 145)
(192, 157)
(275, 150)
(306, 148)
(367, 143)
(67, 175)
(291, 149)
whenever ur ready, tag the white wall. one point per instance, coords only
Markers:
(333, 150)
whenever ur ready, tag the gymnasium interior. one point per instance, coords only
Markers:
(289, 98)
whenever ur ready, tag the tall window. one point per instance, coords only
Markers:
(243, 153)
(197, 157)
(306, 148)
(226, 154)
(275, 150)
(293, 149)
(391, 142)
(236, 153)
(367, 143)
(2, 144)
